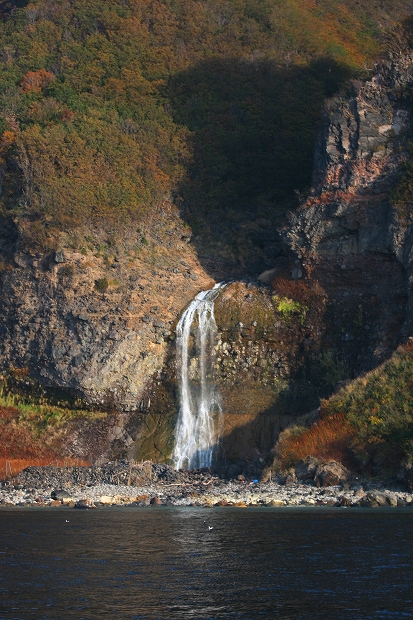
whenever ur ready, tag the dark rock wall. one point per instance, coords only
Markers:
(348, 235)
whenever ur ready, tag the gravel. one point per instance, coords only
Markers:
(124, 483)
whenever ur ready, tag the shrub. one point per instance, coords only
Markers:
(288, 308)
(328, 439)
(67, 270)
(102, 285)
(367, 425)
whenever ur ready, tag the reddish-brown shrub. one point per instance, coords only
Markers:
(328, 439)
(298, 290)
(35, 81)
(17, 440)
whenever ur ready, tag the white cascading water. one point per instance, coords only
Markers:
(199, 419)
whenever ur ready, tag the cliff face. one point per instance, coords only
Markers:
(98, 324)
(348, 234)
(97, 319)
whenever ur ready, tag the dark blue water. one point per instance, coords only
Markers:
(165, 563)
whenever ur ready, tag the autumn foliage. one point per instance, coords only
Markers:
(327, 439)
(115, 105)
(367, 424)
(21, 447)
(35, 81)
(17, 441)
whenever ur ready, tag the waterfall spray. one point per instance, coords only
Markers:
(199, 419)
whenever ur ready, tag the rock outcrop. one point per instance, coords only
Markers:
(97, 319)
(97, 324)
(348, 235)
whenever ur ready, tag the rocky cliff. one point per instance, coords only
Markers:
(349, 234)
(95, 317)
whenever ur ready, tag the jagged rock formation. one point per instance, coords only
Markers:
(348, 234)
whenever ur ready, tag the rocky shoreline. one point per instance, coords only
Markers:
(149, 484)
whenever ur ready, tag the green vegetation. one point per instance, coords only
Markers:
(38, 409)
(102, 285)
(288, 309)
(107, 108)
(368, 424)
(380, 404)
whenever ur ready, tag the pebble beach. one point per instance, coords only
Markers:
(123, 484)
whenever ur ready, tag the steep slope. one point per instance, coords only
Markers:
(350, 234)
(150, 148)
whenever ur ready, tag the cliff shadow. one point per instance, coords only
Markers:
(252, 127)
(8, 7)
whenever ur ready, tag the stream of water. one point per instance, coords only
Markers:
(198, 427)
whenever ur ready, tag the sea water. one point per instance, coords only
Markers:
(167, 563)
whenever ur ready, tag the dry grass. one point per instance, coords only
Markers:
(327, 439)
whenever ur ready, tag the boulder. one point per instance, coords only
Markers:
(106, 500)
(306, 470)
(275, 502)
(343, 501)
(67, 501)
(380, 498)
(85, 504)
(393, 501)
(155, 501)
(369, 502)
(60, 494)
(330, 474)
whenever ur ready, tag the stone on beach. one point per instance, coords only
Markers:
(330, 474)
(60, 494)
(155, 501)
(85, 504)
(106, 500)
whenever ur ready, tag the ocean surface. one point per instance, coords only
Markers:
(166, 563)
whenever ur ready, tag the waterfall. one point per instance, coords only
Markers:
(198, 427)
